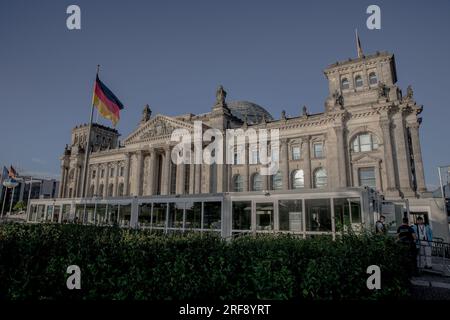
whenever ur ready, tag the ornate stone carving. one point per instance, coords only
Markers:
(338, 99)
(382, 90)
(409, 92)
(146, 114)
(283, 115)
(221, 95)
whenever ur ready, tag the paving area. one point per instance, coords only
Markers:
(430, 287)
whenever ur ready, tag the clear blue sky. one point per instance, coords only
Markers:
(173, 54)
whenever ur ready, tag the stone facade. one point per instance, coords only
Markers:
(368, 134)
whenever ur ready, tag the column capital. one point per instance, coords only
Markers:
(413, 125)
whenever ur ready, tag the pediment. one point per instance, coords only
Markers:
(158, 127)
(365, 157)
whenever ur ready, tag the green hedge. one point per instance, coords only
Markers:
(129, 264)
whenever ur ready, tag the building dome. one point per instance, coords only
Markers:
(255, 113)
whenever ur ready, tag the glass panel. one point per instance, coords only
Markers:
(277, 181)
(193, 215)
(176, 215)
(212, 215)
(79, 212)
(341, 213)
(242, 214)
(355, 205)
(320, 178)
(89, 217)
(365, 142)
(290, 215)
(144, 217)
(318, 215)
(318, 150)
(257, 182)
(159, 215)
(345, 84)
(358, 81)
(238, 183)
(65, 213)
(264, 216)
(40, 213)
(49, 213)
(124, 215)
(367, 177)
(112, 214)
(296, 153)
(372, 78)
(298, 179)
(56, 212)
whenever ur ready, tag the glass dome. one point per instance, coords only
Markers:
(254, 112)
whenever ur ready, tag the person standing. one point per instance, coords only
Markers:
(424, 241)
(407, 236)
(380, 227)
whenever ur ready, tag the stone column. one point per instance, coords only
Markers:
(284, 163)
(165, 190)
(388, 158)
(245, 174)
(116, 179)
(138, 176)
(106, 187)
(78, 182)
(403, 159)
(152, 173)
(126, 186)
(417, 153)
(191, 175)
(198, 179)
(97, 179)
(179, 188)
(341, 161)
(62, 183)
(307, 161)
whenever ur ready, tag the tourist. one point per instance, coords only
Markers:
(424, 240)
(407, 237)
(380, 227)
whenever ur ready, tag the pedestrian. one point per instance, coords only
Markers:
(424, 236)
(407, 237)
(380, 227)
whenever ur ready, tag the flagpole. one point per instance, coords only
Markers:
(12, 198)
(88, 143)
(4, 200)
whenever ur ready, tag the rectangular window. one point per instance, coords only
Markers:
(89, 216)
(318, 214)
(367, 177)
(159, 215)
(112, 214)
(93, 174)
(111, 172)
(347, 212)
(318, 150)
(365, 142)
(254, 156)
(102, 173)
(264, 216)
(193, 215)
(212, 215)
(241, 213)
(296, 153)
(175, 215)
(290, 215)
(100, 214)
(275, 154)
(144, 217)
(121, 171)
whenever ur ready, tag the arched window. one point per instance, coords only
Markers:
(110, 190)
(372, 78)
(277, 181)
(298, 179)
(120, 191)
(320, 178)
(364, 142)
(345, 84)
(100, 190)
(358, 81)
(238, 183)
(256, 182)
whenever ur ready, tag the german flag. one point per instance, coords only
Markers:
(106, 102)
